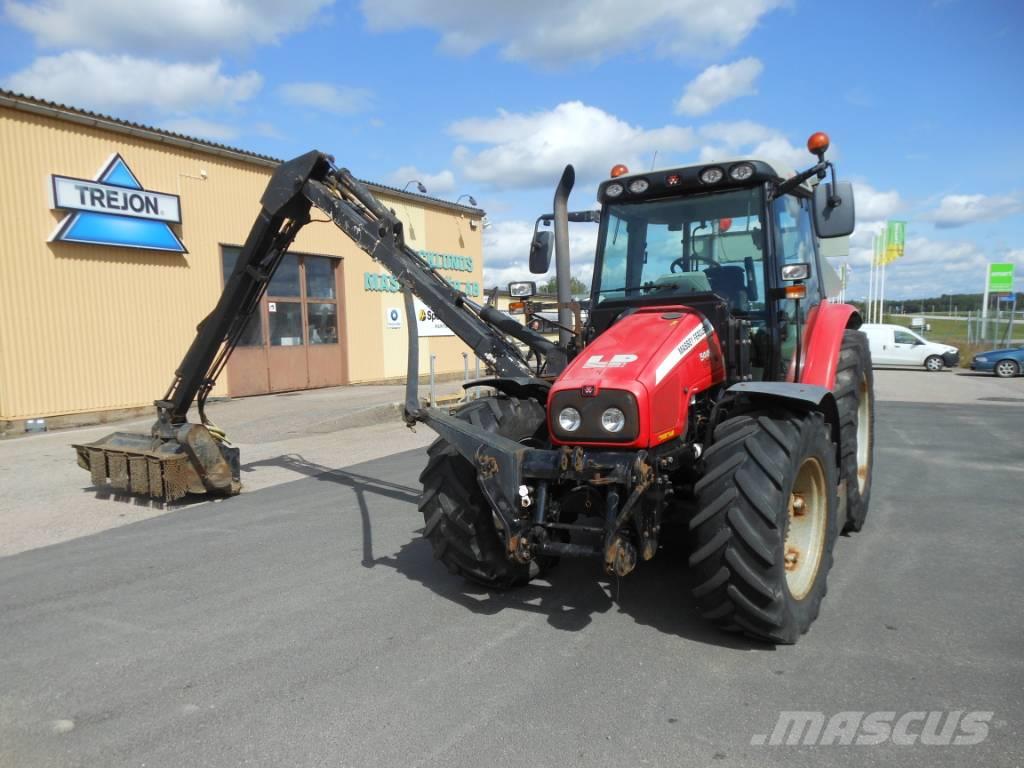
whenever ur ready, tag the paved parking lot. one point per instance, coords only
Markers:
(307, 624)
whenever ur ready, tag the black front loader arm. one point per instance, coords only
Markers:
(297, 186)
(177, 458)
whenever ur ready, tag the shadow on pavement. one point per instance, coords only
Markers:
(657, 594)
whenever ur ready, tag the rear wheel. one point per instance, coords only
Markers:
(761, 541)
(934, 363)
(1006, 369)
(855, 400)
(460, 524)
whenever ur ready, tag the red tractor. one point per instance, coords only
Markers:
(712, 384)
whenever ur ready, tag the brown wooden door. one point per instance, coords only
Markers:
(323, 321)
(295, 342)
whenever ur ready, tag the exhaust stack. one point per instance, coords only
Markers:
(562, 273)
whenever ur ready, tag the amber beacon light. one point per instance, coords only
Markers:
(818, 143)
(619, 170)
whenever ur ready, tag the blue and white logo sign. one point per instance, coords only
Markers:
(114, 209)
(393, 317)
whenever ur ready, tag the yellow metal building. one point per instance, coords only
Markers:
(93, 328)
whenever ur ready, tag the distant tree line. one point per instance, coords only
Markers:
(960, 302)
(576, 286)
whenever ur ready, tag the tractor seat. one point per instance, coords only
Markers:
(730, 283)
(686, 282)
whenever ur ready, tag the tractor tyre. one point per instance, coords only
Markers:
(854, 392)
(459, 522)
(766, 521)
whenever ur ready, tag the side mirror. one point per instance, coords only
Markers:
(540, 251)
(523, 290)
(833, 209)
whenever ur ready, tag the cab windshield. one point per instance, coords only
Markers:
(685, 245)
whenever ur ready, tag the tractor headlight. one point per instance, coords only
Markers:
(639, 186)
(711, 175)
(741, 172)
(613, 190)
(613, 420)
(569, 419)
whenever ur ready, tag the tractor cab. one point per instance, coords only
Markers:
(715, 238)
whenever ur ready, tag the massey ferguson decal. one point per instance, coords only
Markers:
(617, 361)
(680, 351)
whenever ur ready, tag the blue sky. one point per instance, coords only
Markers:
(491, 98)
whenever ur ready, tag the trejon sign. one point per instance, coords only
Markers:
(114, 209)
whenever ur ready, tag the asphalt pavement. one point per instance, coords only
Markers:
(306, 624)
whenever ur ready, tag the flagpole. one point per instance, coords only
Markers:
(881, 302)
(878, 279)
(871, 281)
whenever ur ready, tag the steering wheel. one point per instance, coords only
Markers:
(680, 262)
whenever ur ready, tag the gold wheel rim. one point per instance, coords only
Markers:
(863, 435)
(805, 531)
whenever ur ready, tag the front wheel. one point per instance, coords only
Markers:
(934, 363)
(459, 522)
(1006, 369)
(762, 537)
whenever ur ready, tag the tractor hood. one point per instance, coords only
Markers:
(653, 360)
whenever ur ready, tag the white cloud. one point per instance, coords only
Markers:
(957, 210)
(531, 149)
(506, 250)
(87, 79)
(337, 99)
(589, 30)
(436, 183)
(726, 141)
(929, 268)
(204, 129)
(873, 205)
(718, 84)
(195, 26)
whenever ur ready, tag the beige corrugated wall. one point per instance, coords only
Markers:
(90, 328)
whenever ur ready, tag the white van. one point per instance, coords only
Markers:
(896, 345)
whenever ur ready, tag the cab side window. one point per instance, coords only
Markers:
(795, 238)
(794, 244)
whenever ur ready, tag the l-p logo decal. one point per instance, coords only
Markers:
(617, 361)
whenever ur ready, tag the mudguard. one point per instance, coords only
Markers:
(800, 397)
(823, 337)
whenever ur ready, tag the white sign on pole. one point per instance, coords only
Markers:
(427, 324)
(393, 317)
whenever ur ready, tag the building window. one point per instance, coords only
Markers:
(252, 336)
(285, 281)
(320, 283)
(301, 302)
(285, 323)
(323, 322)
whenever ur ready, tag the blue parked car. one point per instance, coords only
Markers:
(1004, 363)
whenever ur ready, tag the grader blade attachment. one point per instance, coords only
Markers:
(162, 469)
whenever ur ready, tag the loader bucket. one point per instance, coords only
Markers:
(163, 469)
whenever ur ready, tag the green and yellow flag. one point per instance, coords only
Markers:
(895, 237)
(879, 249)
